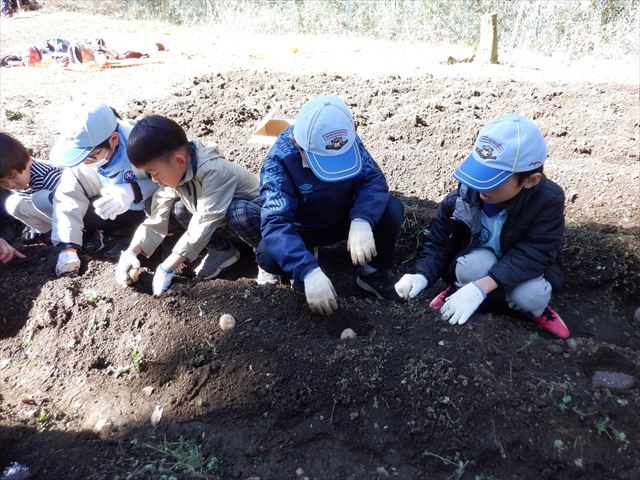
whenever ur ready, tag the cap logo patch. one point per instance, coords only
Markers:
(485, 152)
(335, 139)
(533, 164)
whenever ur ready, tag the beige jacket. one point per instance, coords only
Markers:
(78, 185)
(208, 187)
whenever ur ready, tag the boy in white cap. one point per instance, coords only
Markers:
(100, 190)
(319, 186)
(498, 234)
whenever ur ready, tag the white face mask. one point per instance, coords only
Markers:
(98, 163)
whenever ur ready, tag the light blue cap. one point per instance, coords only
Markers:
(507, 144)
(91, 125)
(324, 129)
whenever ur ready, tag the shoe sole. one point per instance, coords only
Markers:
(223, 265)
(368, 288)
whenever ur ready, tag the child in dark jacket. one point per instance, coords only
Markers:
(499, 232)
(319, 185)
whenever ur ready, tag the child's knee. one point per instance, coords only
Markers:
(531, 297)
(474, 265)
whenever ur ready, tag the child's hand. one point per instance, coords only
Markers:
(461, 305)
(68, 263)
(7, 252)
(161, 280)
(128, 268)
(411, 285)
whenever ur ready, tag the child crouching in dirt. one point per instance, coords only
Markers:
(497, 236)
(214, 190)
(100, 192)
(31, 183)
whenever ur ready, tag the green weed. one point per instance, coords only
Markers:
(457, 462)
(166, 460)
(604, 425)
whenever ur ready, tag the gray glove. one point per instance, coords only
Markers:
(68, 263)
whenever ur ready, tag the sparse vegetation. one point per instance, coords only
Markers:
(166, 460)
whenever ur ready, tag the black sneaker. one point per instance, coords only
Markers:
(380, 284)
(30, 237)
(115, 248)
(92, 241)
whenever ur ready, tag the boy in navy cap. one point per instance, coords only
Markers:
(319, 186)
(498, 233)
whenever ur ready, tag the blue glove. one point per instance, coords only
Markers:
(161, 280)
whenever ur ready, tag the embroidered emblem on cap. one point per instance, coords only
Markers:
(336, 139)
(485, 152)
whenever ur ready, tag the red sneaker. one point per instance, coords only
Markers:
(438, 301)
(551, 321)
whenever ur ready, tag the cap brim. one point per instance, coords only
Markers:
(479, 177)
(66, 155)
(337, 167)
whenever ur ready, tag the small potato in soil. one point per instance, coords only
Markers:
(227, 322)
(347, 333)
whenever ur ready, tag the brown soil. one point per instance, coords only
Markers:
(281, 396)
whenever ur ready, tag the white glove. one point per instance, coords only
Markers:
(114, 200)
(361, 243)
(128, 268)
(321, 296)
(411, 284)
(461, 305)
(161, 280)
(68, 264)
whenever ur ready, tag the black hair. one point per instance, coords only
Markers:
(13, 155)
(154, 137)
(522, 176)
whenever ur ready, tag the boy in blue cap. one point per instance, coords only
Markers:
(499, 232)
(100, 190)
(319, 186)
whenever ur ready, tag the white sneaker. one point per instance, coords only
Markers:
(214, 261)
(265, 277)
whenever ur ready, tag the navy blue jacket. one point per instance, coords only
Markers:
(530, 238)
(294, 199)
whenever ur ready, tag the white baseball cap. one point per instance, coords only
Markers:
(324, 129)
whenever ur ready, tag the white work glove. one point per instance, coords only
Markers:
(68, 264)
(321, 296)
(114, 200)
(128, 268)
(410, 285)
(161, 280)
(461, 305)
(361, 243)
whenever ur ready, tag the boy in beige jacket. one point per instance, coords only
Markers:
(218, 193)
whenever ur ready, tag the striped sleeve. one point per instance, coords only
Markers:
(44, 176)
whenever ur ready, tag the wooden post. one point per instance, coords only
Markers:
(488, 50)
